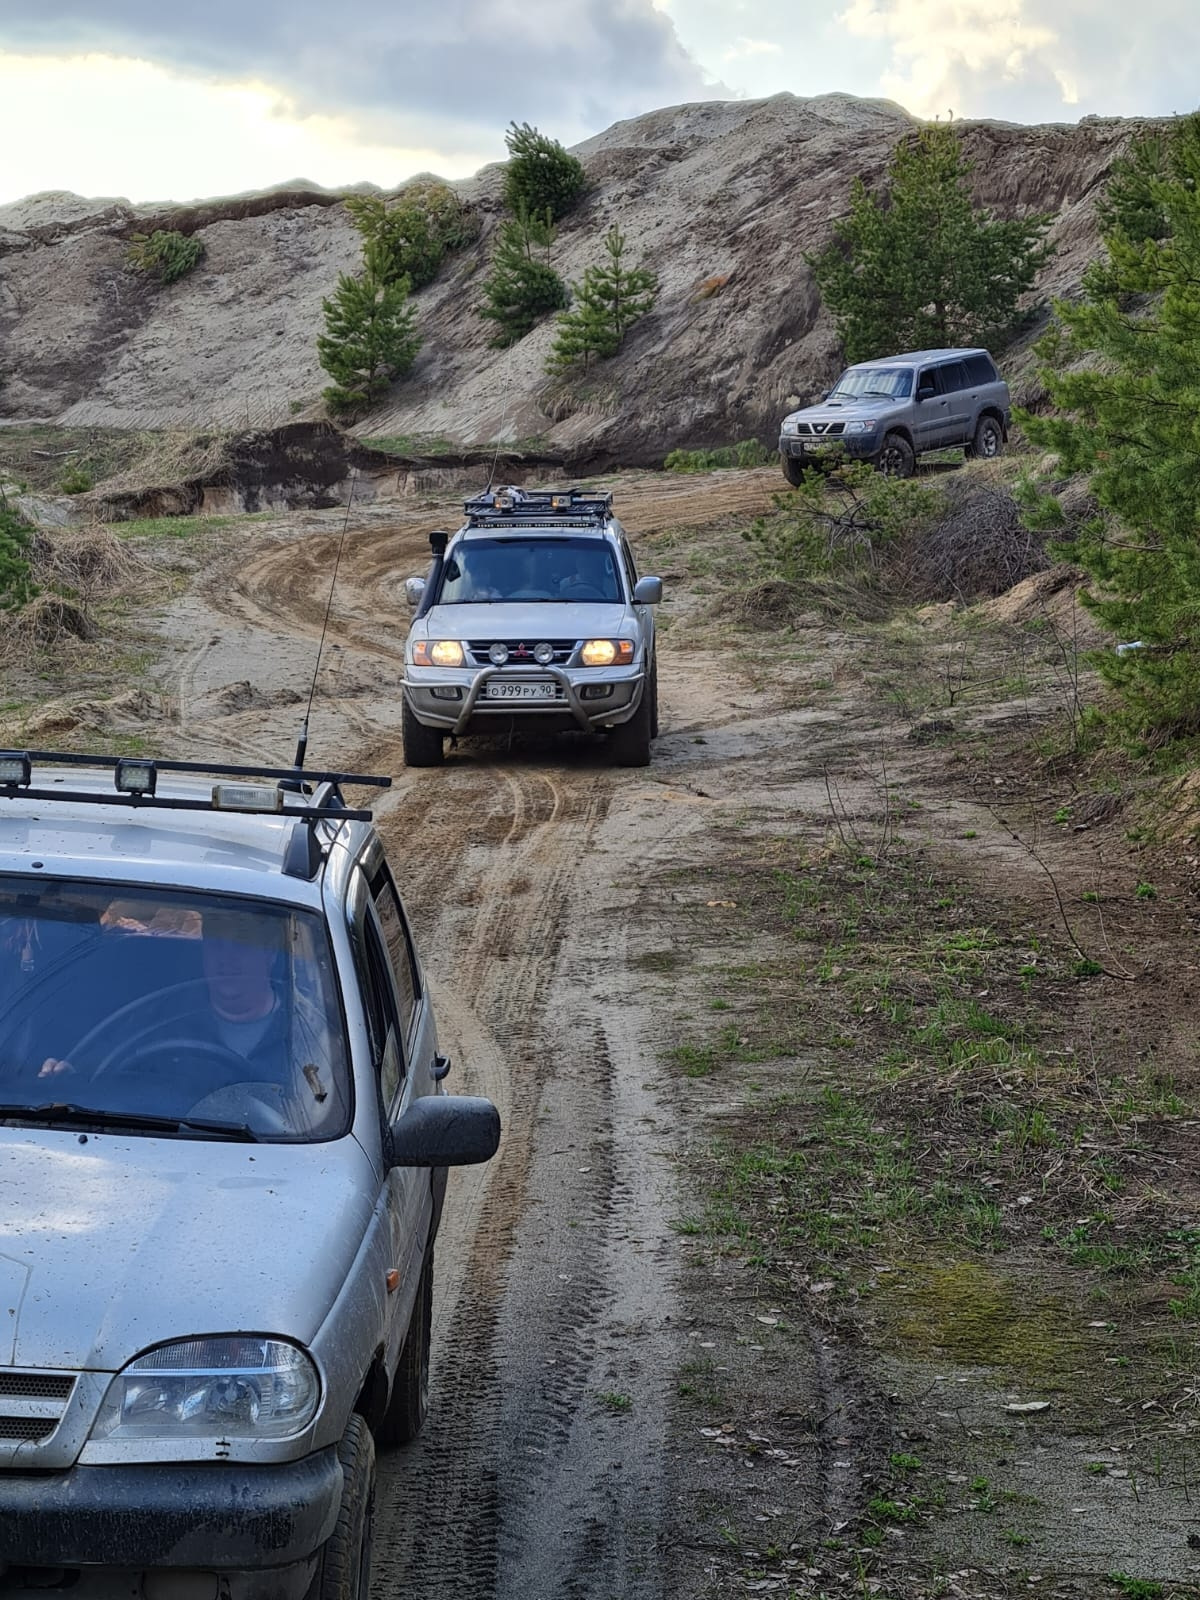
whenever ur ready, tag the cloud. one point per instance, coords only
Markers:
(428, 72)
(1028, 61)
(743, 48)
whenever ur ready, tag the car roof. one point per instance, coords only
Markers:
(912, 356)
(222, 851)
(547, 525)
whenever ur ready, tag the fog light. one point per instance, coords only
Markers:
(597, 691)
(169, 1584)
(15, 767)
(543, 653)
(446, 691)
(498, 653)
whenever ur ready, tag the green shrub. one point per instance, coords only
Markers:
(16, 573)
(837, 521)
(411, 236)
(522, 286)
(541, 175)
(165, 255)
(76, 480)
(746, 453)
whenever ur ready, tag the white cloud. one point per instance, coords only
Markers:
(742, 48)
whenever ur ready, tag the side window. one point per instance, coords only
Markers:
(953, 377)
(980, 369)
(630, 563)
(399, 946)
(927, 383)
(379, 1002)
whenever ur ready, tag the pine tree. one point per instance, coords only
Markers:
(920, 268)
(541, 175)
(410, 236)
(370, 339)
(1123, 371)
(1129, 204)
(522, 286)
(606, 304)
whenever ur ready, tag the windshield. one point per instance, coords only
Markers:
(537, 569)
(165, 1004)
(894, 383)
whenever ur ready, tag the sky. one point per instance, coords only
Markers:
(180, 99)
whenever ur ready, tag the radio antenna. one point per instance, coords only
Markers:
(302, 742)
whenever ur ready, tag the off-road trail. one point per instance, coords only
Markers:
(570, 919)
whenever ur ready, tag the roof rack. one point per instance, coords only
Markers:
(312, 796)
(574, 506)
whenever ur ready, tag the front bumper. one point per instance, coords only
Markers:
(586, 698)
(226, 1517)
(855, 447)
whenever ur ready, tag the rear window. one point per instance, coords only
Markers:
(538, 569)
(980, 369)
(168, 1004)
(953, 375)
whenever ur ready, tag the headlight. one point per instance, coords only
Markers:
(437, 653)
(791, 427)
(861, 427)
(607, 652)
(233, 1387)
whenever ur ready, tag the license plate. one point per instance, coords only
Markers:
(819, 447)
(495, 690)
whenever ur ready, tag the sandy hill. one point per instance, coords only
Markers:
(734, 192)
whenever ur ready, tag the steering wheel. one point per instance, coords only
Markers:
(233, 1101)
(132, 1036)
(578, 589)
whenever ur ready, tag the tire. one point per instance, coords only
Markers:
(988, 442)
(408, 1403)
(423, 747)
(653, 691)
(896, 458)
(793, 470)
(346, 1555)
(629, 742)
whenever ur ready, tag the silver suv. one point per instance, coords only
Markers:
(532, 617)
(893, 410)
(223, 1154)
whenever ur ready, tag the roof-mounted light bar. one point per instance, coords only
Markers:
(135, 777)
(500, 504)
(16, 769)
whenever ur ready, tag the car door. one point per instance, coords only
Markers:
(956, 386)
(644, 614)
(409, 1192)
(930, 406)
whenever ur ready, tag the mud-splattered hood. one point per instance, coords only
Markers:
(111, 1244)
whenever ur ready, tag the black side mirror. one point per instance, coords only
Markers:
(446, 1130)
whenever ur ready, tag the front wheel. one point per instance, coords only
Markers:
(346, 1554)
(793, 470)
(629, 742)
(988, 442)
(896, 458)
(423, 747)
(408, 1403)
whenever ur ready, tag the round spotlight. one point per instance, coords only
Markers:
(543, 653)
(498, 653)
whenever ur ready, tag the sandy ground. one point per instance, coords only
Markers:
(554, 899)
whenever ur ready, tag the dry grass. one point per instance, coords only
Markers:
(979, 548)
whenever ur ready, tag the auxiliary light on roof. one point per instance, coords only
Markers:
(135, 777)
(247, 797)
(16, 768)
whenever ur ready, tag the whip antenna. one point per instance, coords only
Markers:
(302, 742)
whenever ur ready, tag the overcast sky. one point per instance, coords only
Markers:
(174, 99)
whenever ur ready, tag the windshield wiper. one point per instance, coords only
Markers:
(880, 394)
(60, 1111)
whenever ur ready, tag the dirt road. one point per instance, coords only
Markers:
(619, 1409)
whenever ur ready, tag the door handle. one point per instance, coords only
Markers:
(439, 1067)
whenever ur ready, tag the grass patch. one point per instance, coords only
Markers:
(184, 527)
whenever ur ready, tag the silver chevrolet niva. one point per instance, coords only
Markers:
(532, 618)
(223, 1150)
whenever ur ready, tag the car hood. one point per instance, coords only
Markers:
(111, 1244)
(852, 405)
(525, 620)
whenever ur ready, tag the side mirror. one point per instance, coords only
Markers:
(446, 1130)
(647, 592)
(926, 391)
(414, 590)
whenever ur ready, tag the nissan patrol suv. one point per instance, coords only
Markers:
(223, 1152)
(893, 410)
(533, 618)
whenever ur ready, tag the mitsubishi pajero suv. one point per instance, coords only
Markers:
(532, 618)
(895, 409)
(223, 1153)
